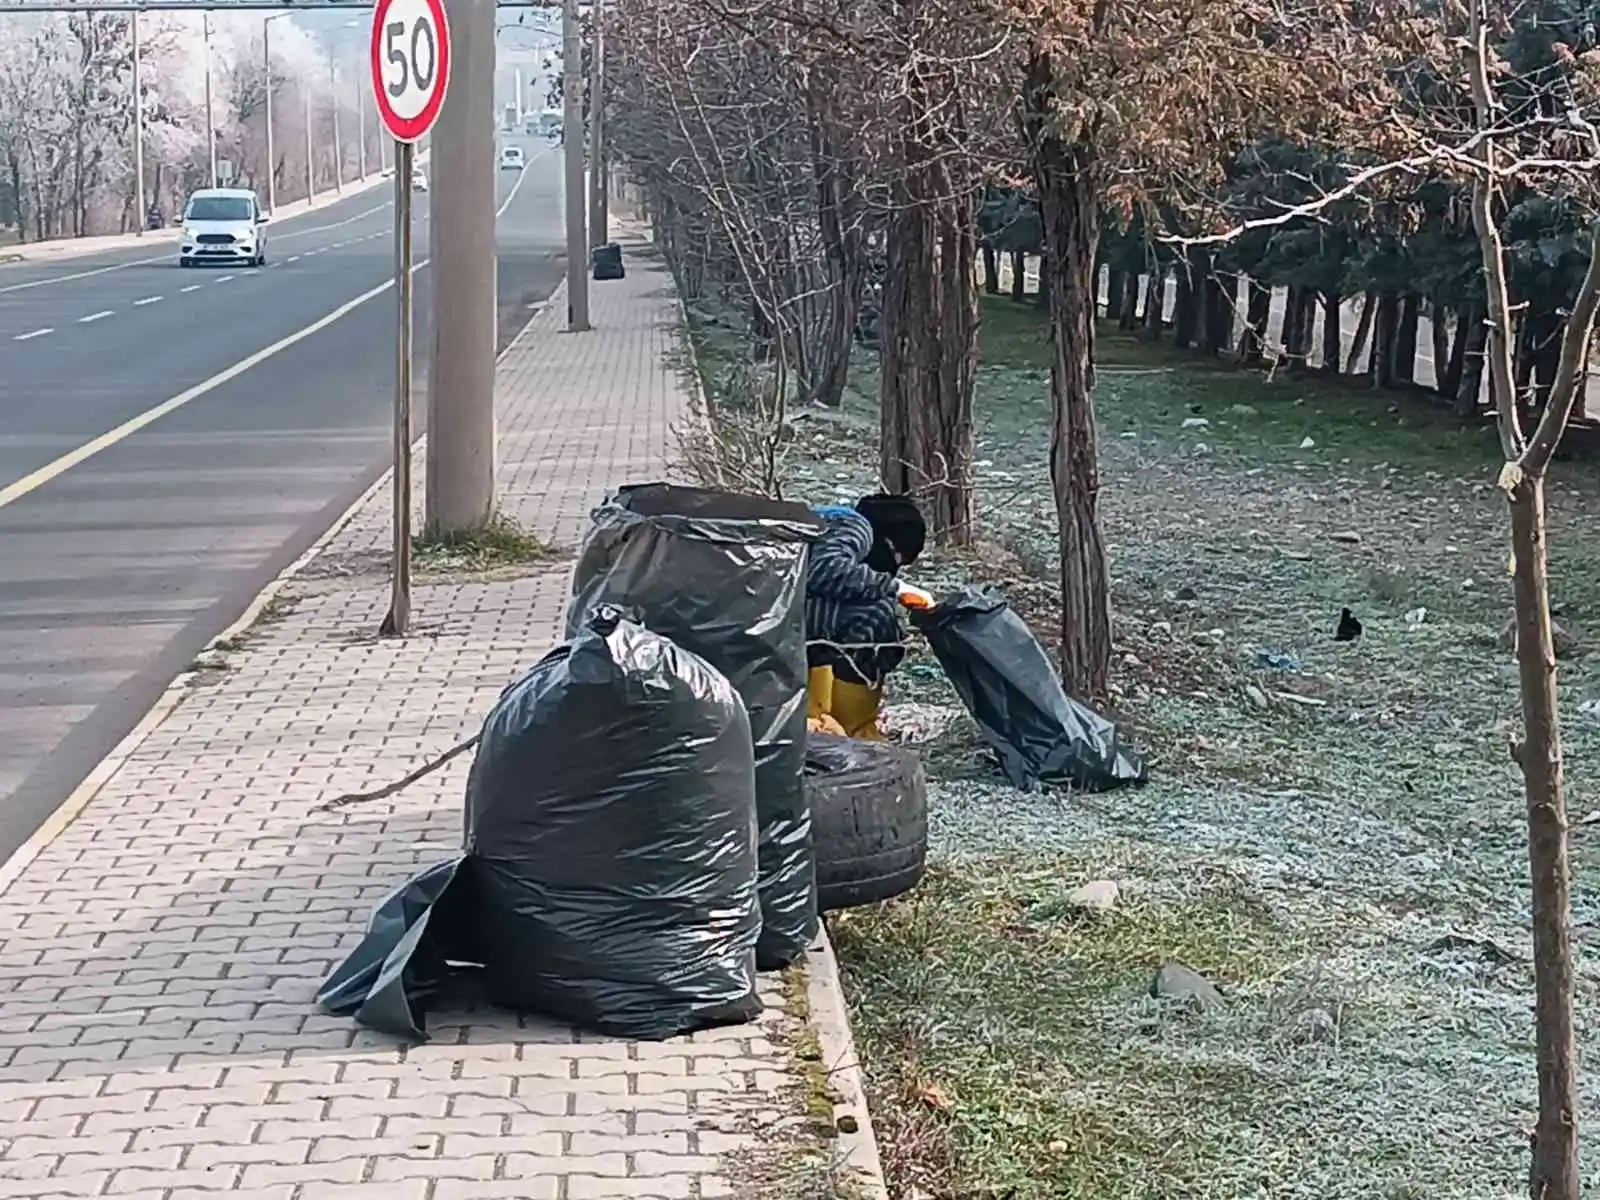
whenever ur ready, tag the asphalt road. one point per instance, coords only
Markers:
(116, 571)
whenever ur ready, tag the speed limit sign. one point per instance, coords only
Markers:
(410, 64)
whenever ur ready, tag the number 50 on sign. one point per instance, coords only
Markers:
(410, 64)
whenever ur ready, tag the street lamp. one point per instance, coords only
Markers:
(140, 219)
(211, 125)
(266, 63)
(361, 106)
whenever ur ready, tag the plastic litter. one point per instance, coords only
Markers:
(1040, 734)
(723, 575)
(608, 873)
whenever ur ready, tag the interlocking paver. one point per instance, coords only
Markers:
(160, 955)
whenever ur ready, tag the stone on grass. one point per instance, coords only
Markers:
(1315, 1025)
(1174, 981)
(1099, 895)
(1256, 696)
(1348, 536)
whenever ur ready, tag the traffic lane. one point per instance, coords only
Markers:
(115, 575)
(60, 391)
(38, 276)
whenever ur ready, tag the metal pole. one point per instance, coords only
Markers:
(266, 67)
(459, 490)
(311, 162)
(597, 136)
(338, 149)
(211, 125)
(572, 135)
(361, 128)
(138, 135)
(399, 618)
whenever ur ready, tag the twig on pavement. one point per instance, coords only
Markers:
(389, 789)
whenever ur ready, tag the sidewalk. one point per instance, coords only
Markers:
(61, 248)
(161, 950)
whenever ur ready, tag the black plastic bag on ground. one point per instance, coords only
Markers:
(1040, 734)
(723, 575)
(609, 874)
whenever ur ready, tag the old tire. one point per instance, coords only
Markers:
(869, 820)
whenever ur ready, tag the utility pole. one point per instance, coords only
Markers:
(266, 67)
(311, 163)
(516, 81)
(361, 128)
(460, 464)
(138, 134)
(338, 150)
(572, 138)
(597, 126)
(211, 125)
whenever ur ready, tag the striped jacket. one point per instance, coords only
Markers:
(838, 579)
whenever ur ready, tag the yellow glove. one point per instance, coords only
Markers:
(913, 597)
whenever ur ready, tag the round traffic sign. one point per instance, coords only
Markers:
(410, 64)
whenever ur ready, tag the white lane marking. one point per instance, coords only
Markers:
(512, 194)
(28, 337)
(147, 300)
(35, 480)
(224, 278)
(292, 258)
(99, 316)
(145, 262)
(193, 287)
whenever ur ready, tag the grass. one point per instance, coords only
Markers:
(499, 545)
(1333, 833)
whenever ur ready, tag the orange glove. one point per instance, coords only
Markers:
(913, 597)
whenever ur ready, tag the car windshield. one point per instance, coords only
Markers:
(218, 208)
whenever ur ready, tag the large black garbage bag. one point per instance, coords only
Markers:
(609, 873)
(723, 575)
(1009, 685)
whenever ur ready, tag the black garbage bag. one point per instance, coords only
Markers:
(723, 575)
(1040, 734)
(609, 868)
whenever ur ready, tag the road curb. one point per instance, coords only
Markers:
(854, 1139)
(9, 258)
(63, 815)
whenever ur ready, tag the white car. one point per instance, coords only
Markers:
(511, 159)
(419, 180)
(223, 225)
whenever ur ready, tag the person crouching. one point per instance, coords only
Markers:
(852, 609)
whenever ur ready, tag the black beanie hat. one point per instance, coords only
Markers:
(897, 525)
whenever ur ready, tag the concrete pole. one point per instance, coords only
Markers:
(266, 71)
(572, 136)
(460, 465)
(311, 164)
(361, 127)
(516, 82)
(598, 214)
(338, 150)
(138, 135)
(211, 125)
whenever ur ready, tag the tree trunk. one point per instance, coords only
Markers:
(1258, 311)
(1070, 215)
(844, 252)
(1332, 332)
(1019, 276)
(1405, 343)
(1216, 310)
(1041, 298)
(1463, 379)
(1128, 311)
(1554, 1169)
(1297, 328)
(991, 271)
(1186, 309)
(1363, 332)
(930, 323)
(1439, 327)
(1155, 303)
(1385, 336)
(1116, 284)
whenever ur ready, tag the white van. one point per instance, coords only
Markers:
(226, 225)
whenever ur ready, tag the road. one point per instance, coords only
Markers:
(117, 569)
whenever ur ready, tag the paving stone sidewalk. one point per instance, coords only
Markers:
(159, 955)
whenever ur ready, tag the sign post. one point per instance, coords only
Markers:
(410, 70)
